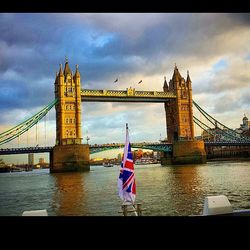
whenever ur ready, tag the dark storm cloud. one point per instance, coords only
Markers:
(104, 46)
(51, 36)
(22, 95)
(175, 33)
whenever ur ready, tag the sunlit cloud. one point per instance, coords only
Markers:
(133, 47)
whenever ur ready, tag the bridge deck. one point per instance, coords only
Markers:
(166, 147)
(129, 95)
(11, 151)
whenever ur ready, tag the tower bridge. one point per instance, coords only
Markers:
(69, 151)
(70, 154)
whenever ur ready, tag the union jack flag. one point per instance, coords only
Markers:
(126, 180)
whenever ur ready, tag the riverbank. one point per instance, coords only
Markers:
(237, 159)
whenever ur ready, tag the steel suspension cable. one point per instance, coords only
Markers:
(234, 135)
(26, 125)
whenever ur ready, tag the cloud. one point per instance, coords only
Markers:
(132, 46)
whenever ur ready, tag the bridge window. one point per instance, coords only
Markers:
(184, 94)
(70, 120)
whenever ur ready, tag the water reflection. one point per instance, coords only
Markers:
(186, 190)
(69, 197)
(170, 190)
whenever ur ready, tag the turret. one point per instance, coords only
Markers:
(60, 82)
(60, 71)
(165, 86)
(176, 75)
(77, 73)
(188, 81)
(66, 69)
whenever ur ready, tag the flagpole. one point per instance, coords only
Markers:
(126, 180)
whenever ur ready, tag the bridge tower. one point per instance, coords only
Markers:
(179, 119)
(69, 154)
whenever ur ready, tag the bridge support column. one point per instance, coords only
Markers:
(189, 152)
(166, 159)
(70, 158)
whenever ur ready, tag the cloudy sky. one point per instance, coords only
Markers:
(215, 48)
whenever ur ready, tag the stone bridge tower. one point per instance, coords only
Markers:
(179, 111)
(179, 119)
(68, 108)
(69, 154)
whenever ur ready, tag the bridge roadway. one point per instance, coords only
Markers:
(12, 151)
(166, 147)
(129, 95)
(232, 143)
(156, 146)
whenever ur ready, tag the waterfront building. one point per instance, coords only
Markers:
(245, 124)
(31, 159)
(244, 128)
(119, 157)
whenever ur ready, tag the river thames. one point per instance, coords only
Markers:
(162, 190)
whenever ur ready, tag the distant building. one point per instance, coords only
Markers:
(119, 157)
(31, 159)
(244, 127)
(41, 161)
(245, 123)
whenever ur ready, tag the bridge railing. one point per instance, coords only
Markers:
(126, 93)
(156, 146)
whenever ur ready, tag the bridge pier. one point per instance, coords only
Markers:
(70, 158)
(186, 152)
(189, 152)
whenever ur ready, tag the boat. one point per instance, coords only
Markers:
(107, 165)
(145, 161)
(220, 205)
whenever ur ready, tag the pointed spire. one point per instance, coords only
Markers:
(176, 76)
(77, 74)
(66, 67)
(165, 86)
(60, 71)
(188, 78)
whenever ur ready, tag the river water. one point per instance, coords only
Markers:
(162, 190)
